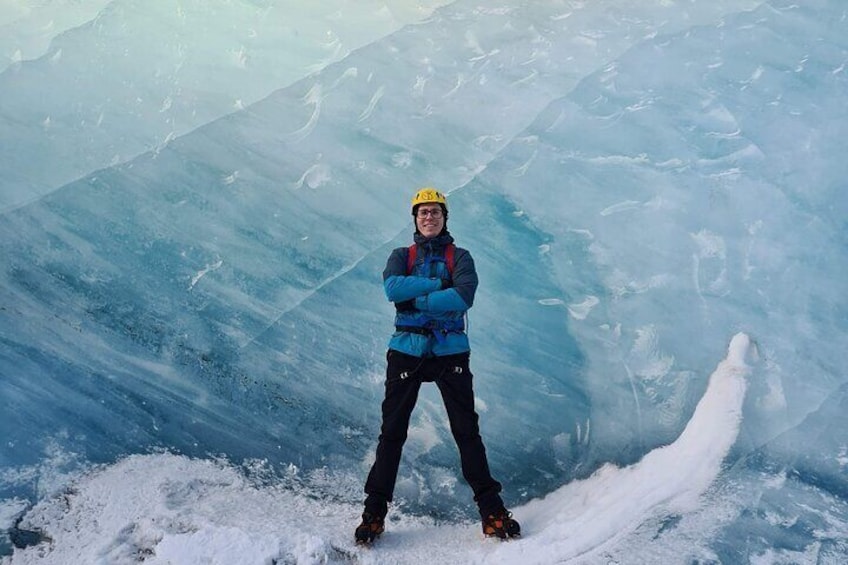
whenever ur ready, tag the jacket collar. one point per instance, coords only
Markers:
(440, 240)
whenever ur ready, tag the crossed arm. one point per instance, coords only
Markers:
(428, 294)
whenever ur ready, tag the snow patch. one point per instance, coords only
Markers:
(166, 508)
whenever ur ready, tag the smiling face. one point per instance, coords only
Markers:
(429, 220)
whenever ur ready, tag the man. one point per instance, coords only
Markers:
(432, 285)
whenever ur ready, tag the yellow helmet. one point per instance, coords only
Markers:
(429, 195)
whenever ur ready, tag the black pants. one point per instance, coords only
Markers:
(404, 375)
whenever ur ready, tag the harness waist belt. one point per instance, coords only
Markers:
(429, 330)
(414, 330)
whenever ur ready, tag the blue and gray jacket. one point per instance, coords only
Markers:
(431, 304)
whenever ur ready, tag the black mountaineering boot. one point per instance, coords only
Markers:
(501, 525)
(372, 526)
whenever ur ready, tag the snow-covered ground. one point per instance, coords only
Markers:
(168, 509)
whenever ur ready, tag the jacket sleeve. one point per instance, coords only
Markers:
(460, 296)
(398, 286)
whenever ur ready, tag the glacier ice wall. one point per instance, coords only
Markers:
(195, 266)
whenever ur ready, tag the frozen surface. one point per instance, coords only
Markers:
(170, 509)
(197, 201)
(93, 84)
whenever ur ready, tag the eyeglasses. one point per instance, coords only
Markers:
(435, 213)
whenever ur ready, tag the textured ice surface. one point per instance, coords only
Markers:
(197, 201)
